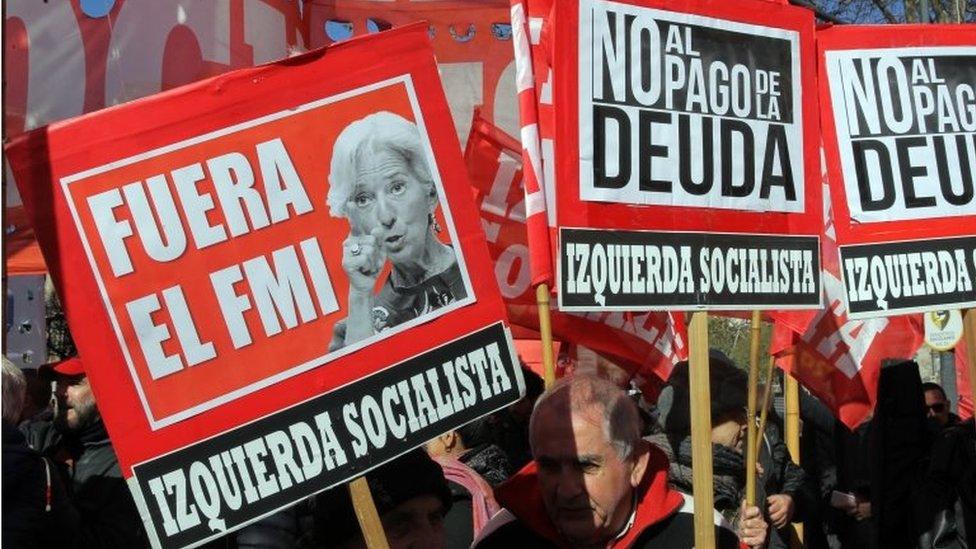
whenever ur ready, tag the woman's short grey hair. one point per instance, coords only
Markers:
(14, 391)
(365, 137)
(621, 420)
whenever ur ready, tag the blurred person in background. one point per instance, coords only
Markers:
(35, 511)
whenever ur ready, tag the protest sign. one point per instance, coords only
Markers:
(899, 130)
(686, 118)
(277, 279)
(644, 343)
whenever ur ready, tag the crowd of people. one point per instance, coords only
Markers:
(590, 462)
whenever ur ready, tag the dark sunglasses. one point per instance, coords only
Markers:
(938, 407)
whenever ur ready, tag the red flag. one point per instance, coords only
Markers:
(644, 343)
(963, 387)
(836, 358)
(537, 224)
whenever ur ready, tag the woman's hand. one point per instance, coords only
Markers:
(363, 259)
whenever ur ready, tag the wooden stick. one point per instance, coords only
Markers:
(701, 431)
(369, 519)
(969, 333)
(545, 328)
(764, 413)
(792, 398)
(752, 445)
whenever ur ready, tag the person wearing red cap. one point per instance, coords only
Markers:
(105, 514)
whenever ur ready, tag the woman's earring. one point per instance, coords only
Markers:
(433, 223)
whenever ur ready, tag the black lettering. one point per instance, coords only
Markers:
(965, 195)
(776, 143)
(868, 202)
(728, 127)
(648, 150)
(705, 154)
(600, 178)
(909, 172)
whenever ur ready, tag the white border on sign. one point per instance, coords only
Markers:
(158, 423)
(795, 133)
(736, 307)
(867, 315)
(140, 499)
(835, 83)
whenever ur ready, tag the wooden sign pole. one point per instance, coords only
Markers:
(792, 398)
(752, 444)
(764, 406)
(545, 328)
(701, 431)
(369, 519)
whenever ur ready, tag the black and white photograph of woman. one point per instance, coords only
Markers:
(381, 183)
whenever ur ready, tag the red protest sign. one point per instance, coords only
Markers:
(693, 118)
(899, 132)
(644, 343)
(274, 267)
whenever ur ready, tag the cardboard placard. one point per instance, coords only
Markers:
(687, 117)
(898, 110)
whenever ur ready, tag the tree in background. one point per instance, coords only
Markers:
(892, 11)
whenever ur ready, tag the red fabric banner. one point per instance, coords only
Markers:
(536, 210)
(963, 387)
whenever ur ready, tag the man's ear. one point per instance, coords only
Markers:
(640, 458)
(449, 440)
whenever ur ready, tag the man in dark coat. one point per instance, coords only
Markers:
(34, 507)
(937, 405)
(949, 488)
(791, 497)
(107, 514)
(595, 483)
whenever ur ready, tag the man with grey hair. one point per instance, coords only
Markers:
(595, 483)
(14, 391)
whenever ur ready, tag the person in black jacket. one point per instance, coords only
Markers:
(105, 511)
(34, 506)
(790, 496)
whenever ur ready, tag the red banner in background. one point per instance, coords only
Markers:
(963, 386)
(533, 181)
(644, 343)
(63, 59)
(472, 40)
